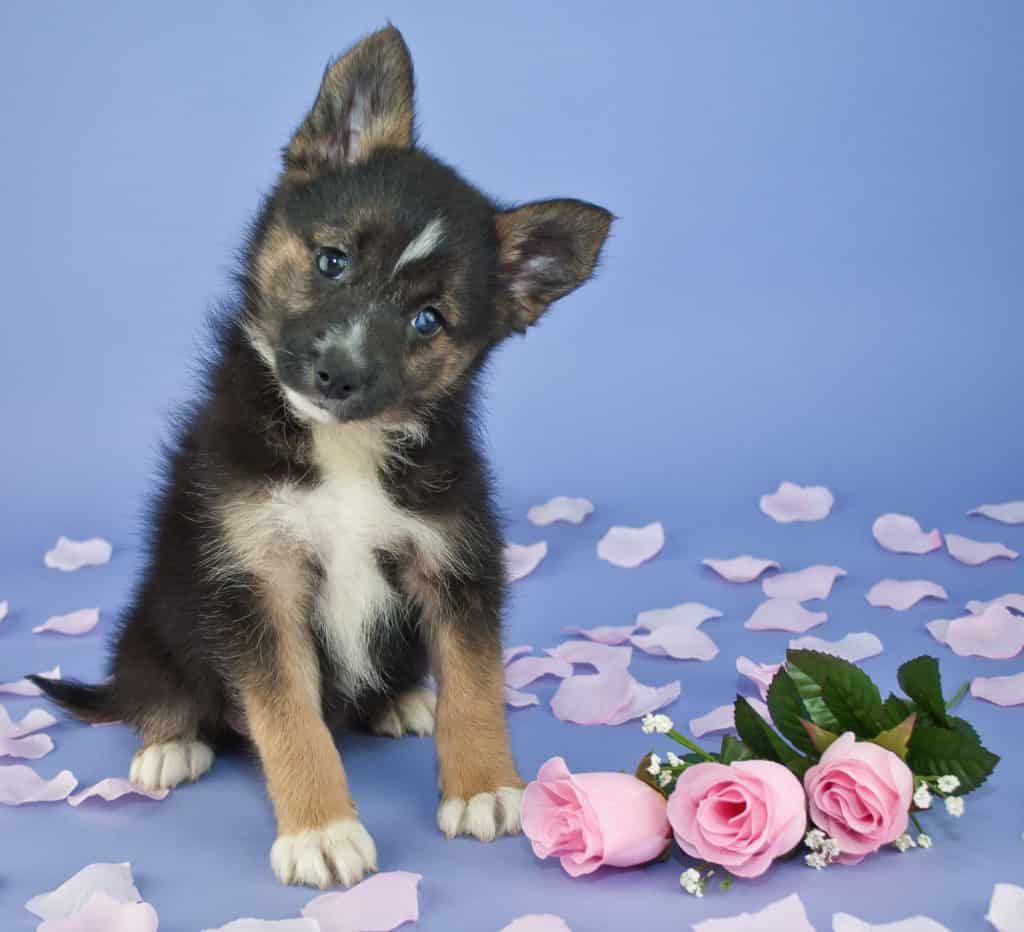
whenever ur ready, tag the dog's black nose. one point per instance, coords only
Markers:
(338, 377)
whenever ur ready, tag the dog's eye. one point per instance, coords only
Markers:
(331, 263)
(428, 321)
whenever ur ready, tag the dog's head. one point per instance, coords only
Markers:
(377, 278)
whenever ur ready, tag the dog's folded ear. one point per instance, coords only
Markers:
(365, 102)
(545, 250)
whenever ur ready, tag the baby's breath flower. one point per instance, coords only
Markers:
(674, 759)
(664, 778)
(830, 849)
(654, 765)
(692, 882)
(814, 839)
(948, 783)
(905, 843)
(924, 841)
(955, 806)
(922, 797)
(656, 724)
(816, 860)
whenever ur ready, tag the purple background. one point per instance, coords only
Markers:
(816, 276)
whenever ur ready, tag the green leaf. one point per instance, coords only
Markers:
(788, 711)
(957, 750)
(761, 738)
(895, 709)
(896, 739)
(821, 740)
(733, 750)
(809, 690)
(921, 681)
(854, 700)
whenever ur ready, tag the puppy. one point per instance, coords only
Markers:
(326, 533)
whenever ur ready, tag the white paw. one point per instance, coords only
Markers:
(161, 766)
(411, 713)
(342, 852)
(484, 816)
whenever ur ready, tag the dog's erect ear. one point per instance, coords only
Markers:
(365, 102)
(545, 250)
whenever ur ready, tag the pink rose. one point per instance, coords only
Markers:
(859, 793)
(741, 816)
(590, 819)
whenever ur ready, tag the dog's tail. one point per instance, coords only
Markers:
(93, 704)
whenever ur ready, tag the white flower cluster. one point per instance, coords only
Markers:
(656, 724)
(955, 806)
(693, 882)
(948, 783)
(923, 796)
(824, 850)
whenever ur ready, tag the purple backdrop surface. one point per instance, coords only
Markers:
(816, 276)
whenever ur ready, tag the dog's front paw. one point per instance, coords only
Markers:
(165, 765)
(411, 713)
(342, 852)
(484, 815)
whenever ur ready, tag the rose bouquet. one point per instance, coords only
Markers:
(837, 770)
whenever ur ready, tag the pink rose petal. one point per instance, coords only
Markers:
(1007, 512)
(740, 569)
(1001, 690)
(560, 508)
(791, 502)
(525, 670)
(722, 718)
(630, 546)
(761, 674)
(70, 555)
(520, 700)
(26, 688)
(843, 922)
(378, 904)
(996, 634)
(3, 609)
(976, 552)
(814, 582)
(1014, 600)
(902, 594)
(510, 653)
(20, 784)
(902, 534)
(520, 560)
(30, 748)
(852, 647)
(688, 613)
(34, 720)
(604, 634)
(608, 698)
(113, 880)
(599, 656)
(102, 914)
(1006, 908)
(80, 622)
(114, 788)
(644, 699)
(269, 925)
(537, 922)
(784, 615)
(681, 641)
(786, 915)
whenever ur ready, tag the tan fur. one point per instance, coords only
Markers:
(282, 269)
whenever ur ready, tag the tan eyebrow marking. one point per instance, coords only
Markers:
(426, 241)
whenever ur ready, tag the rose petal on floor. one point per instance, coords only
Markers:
(114, 788)
(902, 534)
(269, 925)
(784, 615)
(681, 641)
(741, 569)
(525, 670)
(844, 922)
(761, 674)
(560, 508)
(644, 699)
(1014, 600)
(976, 552)
(1007, 512)
(26, 688)
(722, 718)
(628, 547)
(103, 914)
(853, 647)
(510, 653)
(787, 914)
(902, 594)
(610, 697)
(520, 700)
(3, 609)
(814, 582)
(687, 613)
(68, 555)
(31, 747)
(604, 634)
(113, 880)
(80, 622)
(20, 784)
(1006, 908)
(521, 560)
(791, 502)
(999, 690)
(381, 902)
(599, 656)
(34, 720)
(537, 922)
(996, 634)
